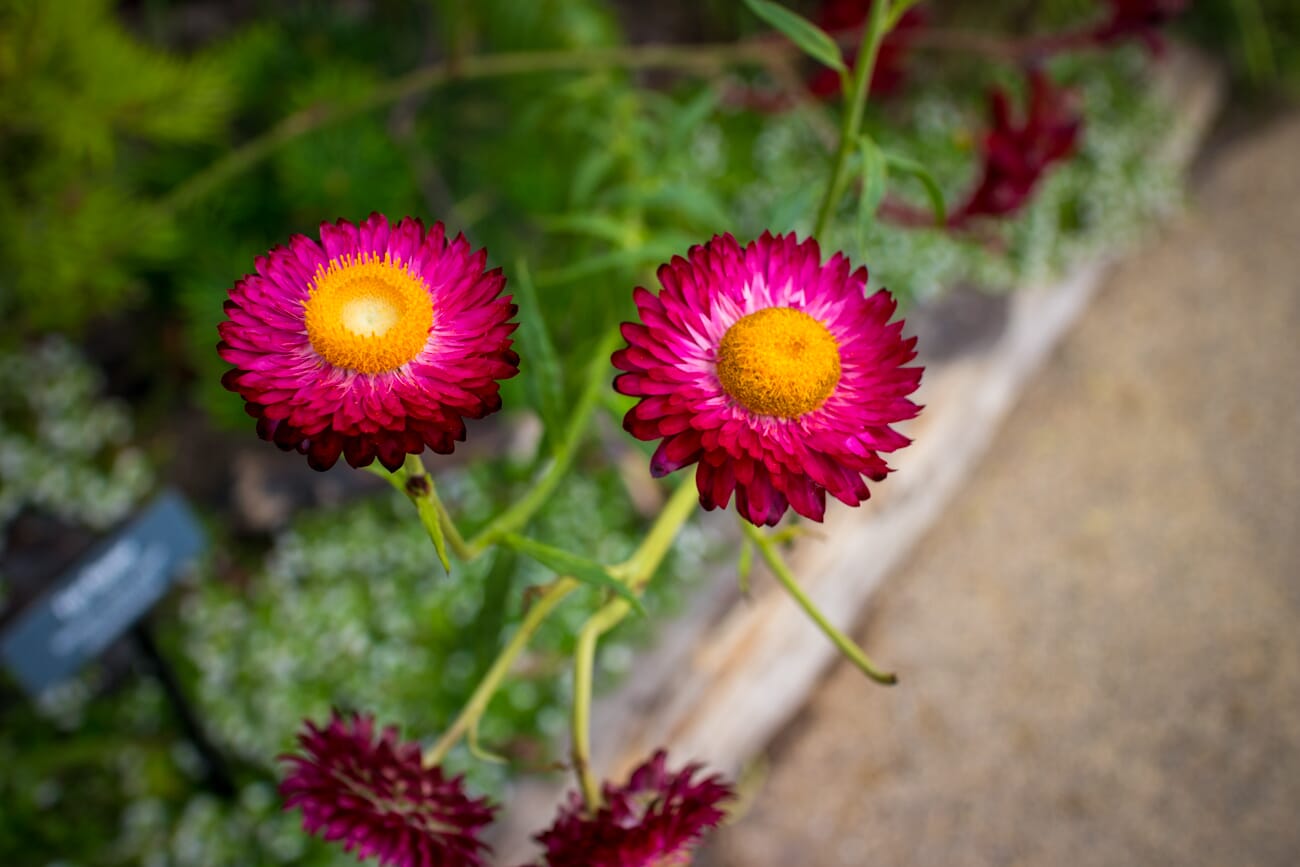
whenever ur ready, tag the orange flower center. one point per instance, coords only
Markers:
(779, 361)
(368, 314)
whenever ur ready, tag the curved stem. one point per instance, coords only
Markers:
(772, 557)
(478, 702)
(584, 658)
(854, 105)
(640, 567)
(636, 571)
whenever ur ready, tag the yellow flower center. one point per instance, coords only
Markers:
(368, 314)
(779, 361)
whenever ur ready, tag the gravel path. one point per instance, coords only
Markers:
(1100, 644)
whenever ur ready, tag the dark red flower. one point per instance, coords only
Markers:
(840, 16)
(1140, 19)
(377, 799)
(1018, 154)
(655, 820)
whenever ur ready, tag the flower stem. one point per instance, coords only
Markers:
(855, 101)
(584, 658)
(767, 548)
(522, 510)
(636, 571)
(478, 702)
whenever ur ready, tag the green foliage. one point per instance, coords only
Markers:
(81, 102)
(810, 38)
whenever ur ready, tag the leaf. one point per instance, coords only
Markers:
(542, 371)
(694, 204)
(566, 563)
(632, 258)
(428, 512)
(875, 180)
(685, 119)
(589, 174)
(620, 233)
(909, 166)
(814, 41)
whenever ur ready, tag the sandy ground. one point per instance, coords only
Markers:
(1100, 643)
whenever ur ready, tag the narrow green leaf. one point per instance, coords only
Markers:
(875, 180)
(909, 166)
(563, 562)
(543, 374)
(619, 232)
(428, 513)
(590, 172)
(814, 41)
(693, 204)
(632, 258)
(685, 119)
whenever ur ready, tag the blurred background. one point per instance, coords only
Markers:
(1109, 608)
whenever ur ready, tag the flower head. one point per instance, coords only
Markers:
(655, 820)
(771, 371)
(373, 343)
(375, 796)
(1018, 154)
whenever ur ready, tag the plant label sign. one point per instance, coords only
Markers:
(102, 596)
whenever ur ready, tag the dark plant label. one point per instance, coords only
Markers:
(102, 596)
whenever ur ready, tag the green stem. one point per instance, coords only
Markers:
(767, 548)
(637, 571)
(640, 567)
(522, 510)
(583, 663)
(478, 702)
(854, 107)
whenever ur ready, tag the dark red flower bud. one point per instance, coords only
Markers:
(656, 818)
(370, 791)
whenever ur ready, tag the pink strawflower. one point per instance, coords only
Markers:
(655, 820)
(376, 798)
(1017, 154)
(774, 373)
(374, 343)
